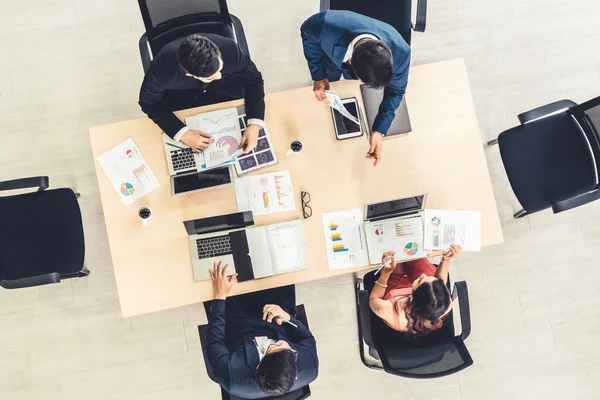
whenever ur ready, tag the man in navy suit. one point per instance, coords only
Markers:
(343, 43)
(252, 352)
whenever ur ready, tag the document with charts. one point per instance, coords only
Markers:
(224, 128)
(266, 193)
(446, 227)
(403, 235)
(128, 172)
(345, 239)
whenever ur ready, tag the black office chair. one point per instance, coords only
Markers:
(168, 20)
(551, 159)
(397, 13)
(437, 354)
(299, 394)
(41, 235)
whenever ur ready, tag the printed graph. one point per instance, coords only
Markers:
(127, 189)
(227, 143)
(411, 248)
(435, 221)
(282, 193)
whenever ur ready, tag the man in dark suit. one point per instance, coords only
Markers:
(200, 70)
(343, 43)
(252, 352)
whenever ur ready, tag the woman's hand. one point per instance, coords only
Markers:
(271, 311)
(392, 264)
(452, 252)
(222, 284)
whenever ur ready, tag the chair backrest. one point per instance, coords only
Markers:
(397, 13)
(588, 116)
(299, 394)
(163, 15)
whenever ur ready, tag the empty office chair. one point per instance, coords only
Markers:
(551, 158)
(167, 20)
(437, 354)
(397, 13)
(299, 394)
(41, 235)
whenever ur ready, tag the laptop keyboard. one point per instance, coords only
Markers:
(213, 247)
(182, 160)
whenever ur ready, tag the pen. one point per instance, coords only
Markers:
(386, 262)
(364, 121)
(284, 320)
(182, 148)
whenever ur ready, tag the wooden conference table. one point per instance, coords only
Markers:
(443, 156)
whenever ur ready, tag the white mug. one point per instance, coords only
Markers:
(145, 213)
(296, 147)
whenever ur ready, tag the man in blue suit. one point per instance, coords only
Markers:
(343, 43)
(252, 352)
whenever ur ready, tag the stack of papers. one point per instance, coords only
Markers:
(128, 172)
(223, 127)
(266, 193)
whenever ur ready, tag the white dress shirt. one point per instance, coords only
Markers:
(262, 344)
(356, 40)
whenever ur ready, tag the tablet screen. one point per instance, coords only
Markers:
(201, 180)
(344, 125)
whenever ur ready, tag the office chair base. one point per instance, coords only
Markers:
(492, 142)
(520, 214)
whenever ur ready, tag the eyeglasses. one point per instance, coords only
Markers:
(306, 209)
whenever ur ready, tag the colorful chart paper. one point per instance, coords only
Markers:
(345, 239)
(265, 194)
(411, 248)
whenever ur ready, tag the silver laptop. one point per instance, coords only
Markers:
(395, 225)
(372, 99)
(251, 252)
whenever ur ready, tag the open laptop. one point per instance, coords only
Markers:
(372, 99)
(395, 225)
(251, 252)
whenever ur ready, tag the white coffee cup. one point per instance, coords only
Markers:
(145, 213)
(296, 147)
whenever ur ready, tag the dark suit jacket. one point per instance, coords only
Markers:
(326, 37)
(165, 76)
(234, 362)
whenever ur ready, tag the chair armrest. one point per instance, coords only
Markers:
(544, 110)
(324, 5)
(41, 182)
(461, 291)
(419, 25)
(575, 201)
(145, 52)
(31, 281)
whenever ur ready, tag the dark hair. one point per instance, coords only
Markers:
(276, 373)
(199, 56)
(429, 302)
(372, 63)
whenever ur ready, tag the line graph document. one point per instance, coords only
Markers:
(223, 127)
(446, 227)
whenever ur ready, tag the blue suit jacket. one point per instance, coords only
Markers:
(234, 363)
(326, 37)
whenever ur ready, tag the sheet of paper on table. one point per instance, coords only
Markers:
(345, 239)
(266, 193)
(402, 235)
(287, 246)
(128, 172)
(446, 227)
(335, 102)
(224, 128)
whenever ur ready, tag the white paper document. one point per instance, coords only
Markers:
(446, 227)
(336, 102)
(286, 243)
(402, 235)
(266, 193)
(345, 239)
(128, 172)
(224, 128)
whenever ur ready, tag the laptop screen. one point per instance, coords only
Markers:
(219, 223)
(395, 208)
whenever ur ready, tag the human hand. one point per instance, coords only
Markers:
(374, 152)
(392, 264)
(452, 252)
(222, 284)
(275, 311)
(197, 140)
(319, 88)
(249, 138)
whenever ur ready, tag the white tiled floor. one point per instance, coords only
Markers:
(70, 64)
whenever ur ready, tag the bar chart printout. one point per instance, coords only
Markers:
(345, 239)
